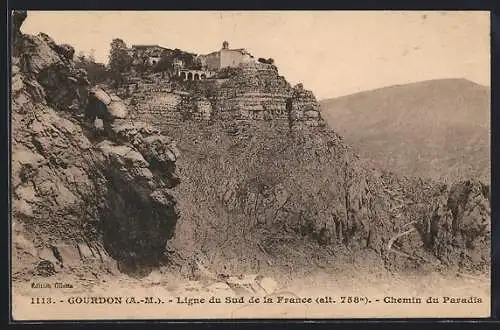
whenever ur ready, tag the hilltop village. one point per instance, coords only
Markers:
(189, 66)
(166, 86)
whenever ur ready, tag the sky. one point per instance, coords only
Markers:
(333, 53)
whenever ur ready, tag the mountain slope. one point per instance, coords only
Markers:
(438, 128)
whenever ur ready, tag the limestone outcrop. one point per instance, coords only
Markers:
(251, 92)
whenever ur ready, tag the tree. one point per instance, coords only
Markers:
(268, 61)
(187, 58)
(96, 72)
(164, 64)
(119, 60)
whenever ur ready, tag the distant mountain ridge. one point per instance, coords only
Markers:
(436, 128)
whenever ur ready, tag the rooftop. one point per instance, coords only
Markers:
(239, 50)
(148, 46)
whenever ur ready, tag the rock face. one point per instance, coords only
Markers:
(286, 199)
(18, 17)
(462, 223)
(257, 92)
(251, 92)
(107, 107)
(80, 194)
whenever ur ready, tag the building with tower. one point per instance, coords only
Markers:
(225, 58)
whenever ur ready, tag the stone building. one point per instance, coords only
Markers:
(153, 53)
(177, 64)
(225, 58)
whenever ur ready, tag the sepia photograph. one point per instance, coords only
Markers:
(315, 165)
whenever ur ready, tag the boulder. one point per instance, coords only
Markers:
(45, 268)
(101, 95)
(63, 86)
(106, 106)
(460, 228)
(48, 254)
(17, 84)
(117, 110)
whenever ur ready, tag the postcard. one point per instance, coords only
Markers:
(250, 165)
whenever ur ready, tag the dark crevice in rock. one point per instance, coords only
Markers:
(135, 229)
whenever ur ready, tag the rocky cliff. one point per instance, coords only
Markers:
(252, 92)
(260, 183)
(296, 200)
(259, 161)
(82, 196)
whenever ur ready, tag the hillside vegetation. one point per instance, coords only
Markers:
(438, 129)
